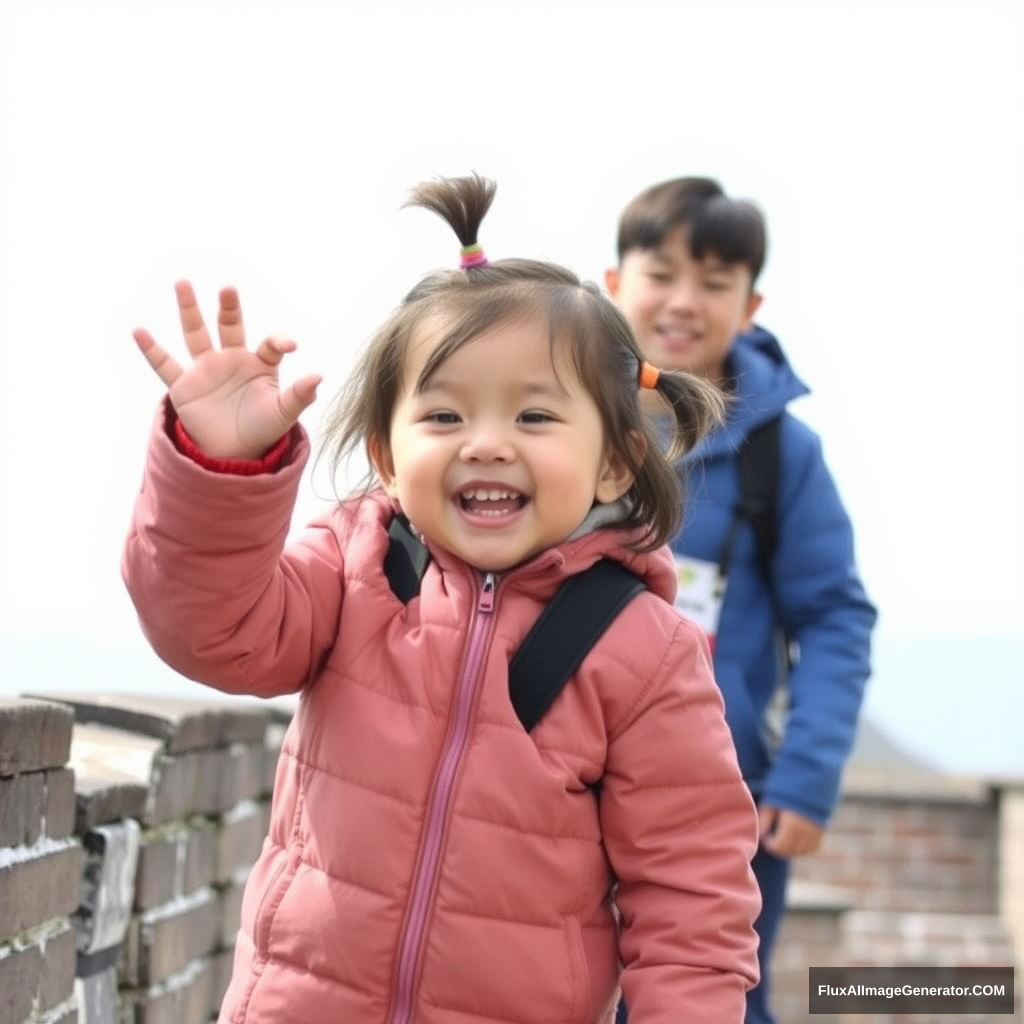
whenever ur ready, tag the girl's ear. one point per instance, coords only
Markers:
(383, 465)
(616, 478)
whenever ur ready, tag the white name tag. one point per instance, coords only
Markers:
(700, 592)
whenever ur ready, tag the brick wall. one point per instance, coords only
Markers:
(40, 864)
(919, 850)
(128, 826)
(127, 829)
(913, 871)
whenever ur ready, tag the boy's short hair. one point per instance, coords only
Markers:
(733, 230)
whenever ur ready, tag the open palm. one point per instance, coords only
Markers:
(228, 400)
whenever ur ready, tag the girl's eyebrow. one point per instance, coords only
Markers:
(529, 388)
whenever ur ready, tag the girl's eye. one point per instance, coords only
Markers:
(534, 416)
(443, 417)
(658, 277)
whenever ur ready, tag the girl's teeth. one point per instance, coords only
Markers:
(488, 495)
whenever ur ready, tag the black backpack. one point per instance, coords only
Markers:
(583, 607)
(586, 604)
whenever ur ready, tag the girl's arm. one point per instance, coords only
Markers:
(219, 597)
(680, 830)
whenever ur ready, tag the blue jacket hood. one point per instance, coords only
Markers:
(764, 384)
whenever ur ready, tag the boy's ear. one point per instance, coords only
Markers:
(611, 281)
(383, 465)
(616, 477)
(754, 301)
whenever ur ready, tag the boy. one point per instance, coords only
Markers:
(794, 633)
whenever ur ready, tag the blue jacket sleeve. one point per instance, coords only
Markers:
(827, 614)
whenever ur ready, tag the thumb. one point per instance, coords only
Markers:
(299, 396)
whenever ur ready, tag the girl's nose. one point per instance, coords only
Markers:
(487, 444)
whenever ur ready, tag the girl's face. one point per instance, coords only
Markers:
(498, 457)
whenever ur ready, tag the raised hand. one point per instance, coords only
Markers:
(228, 400)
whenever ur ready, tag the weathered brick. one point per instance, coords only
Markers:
(22, 807)
(175, 860)
(200, 855)
(20, 971)
(179, 723)
(229, 775)
(107, 888)
(57, 982)
(222, 964)
(272, 741)
(160, 867)
(230, 911)
(113, 773)
(60, 803)
(37, 884)
(240, 839)
(163, 941)
(184, 998)
(176, 788)
(37, 974)
(34, 735)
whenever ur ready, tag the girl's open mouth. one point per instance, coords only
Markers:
(491, 502)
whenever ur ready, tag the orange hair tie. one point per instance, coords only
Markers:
(648, 375)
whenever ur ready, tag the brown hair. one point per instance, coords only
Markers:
(602, 348)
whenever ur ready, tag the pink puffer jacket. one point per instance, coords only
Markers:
(428, 861)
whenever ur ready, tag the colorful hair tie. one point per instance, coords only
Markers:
(647, 376)
(472, 256)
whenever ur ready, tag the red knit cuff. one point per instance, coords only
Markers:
(235, 467)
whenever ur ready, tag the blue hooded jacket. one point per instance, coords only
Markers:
(814, 595)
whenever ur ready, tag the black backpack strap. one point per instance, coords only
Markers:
(583, 607)
(759, 488)
(759, 469)
(406, 560)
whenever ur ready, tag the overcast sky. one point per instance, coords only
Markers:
(270, 145)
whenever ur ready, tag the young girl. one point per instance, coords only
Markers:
(429, 860)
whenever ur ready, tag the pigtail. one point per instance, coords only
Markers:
(462, 203)
(697, 407)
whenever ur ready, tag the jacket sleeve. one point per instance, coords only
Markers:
(824, 607)
(219, 596)
(680, 831)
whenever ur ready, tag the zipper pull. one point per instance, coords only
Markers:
(486, 602)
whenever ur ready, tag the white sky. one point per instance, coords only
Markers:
(270, 145)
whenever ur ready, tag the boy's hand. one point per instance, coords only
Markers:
(788, 834)
(228, 400)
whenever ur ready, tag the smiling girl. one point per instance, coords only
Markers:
(429, 859)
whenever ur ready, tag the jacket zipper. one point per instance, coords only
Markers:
(410, 948)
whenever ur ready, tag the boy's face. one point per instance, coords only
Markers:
(684, 312)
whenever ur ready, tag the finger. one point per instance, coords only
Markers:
(229, 320)
(299, 396)
(166, 368)
(197, 338)
(273, 349)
